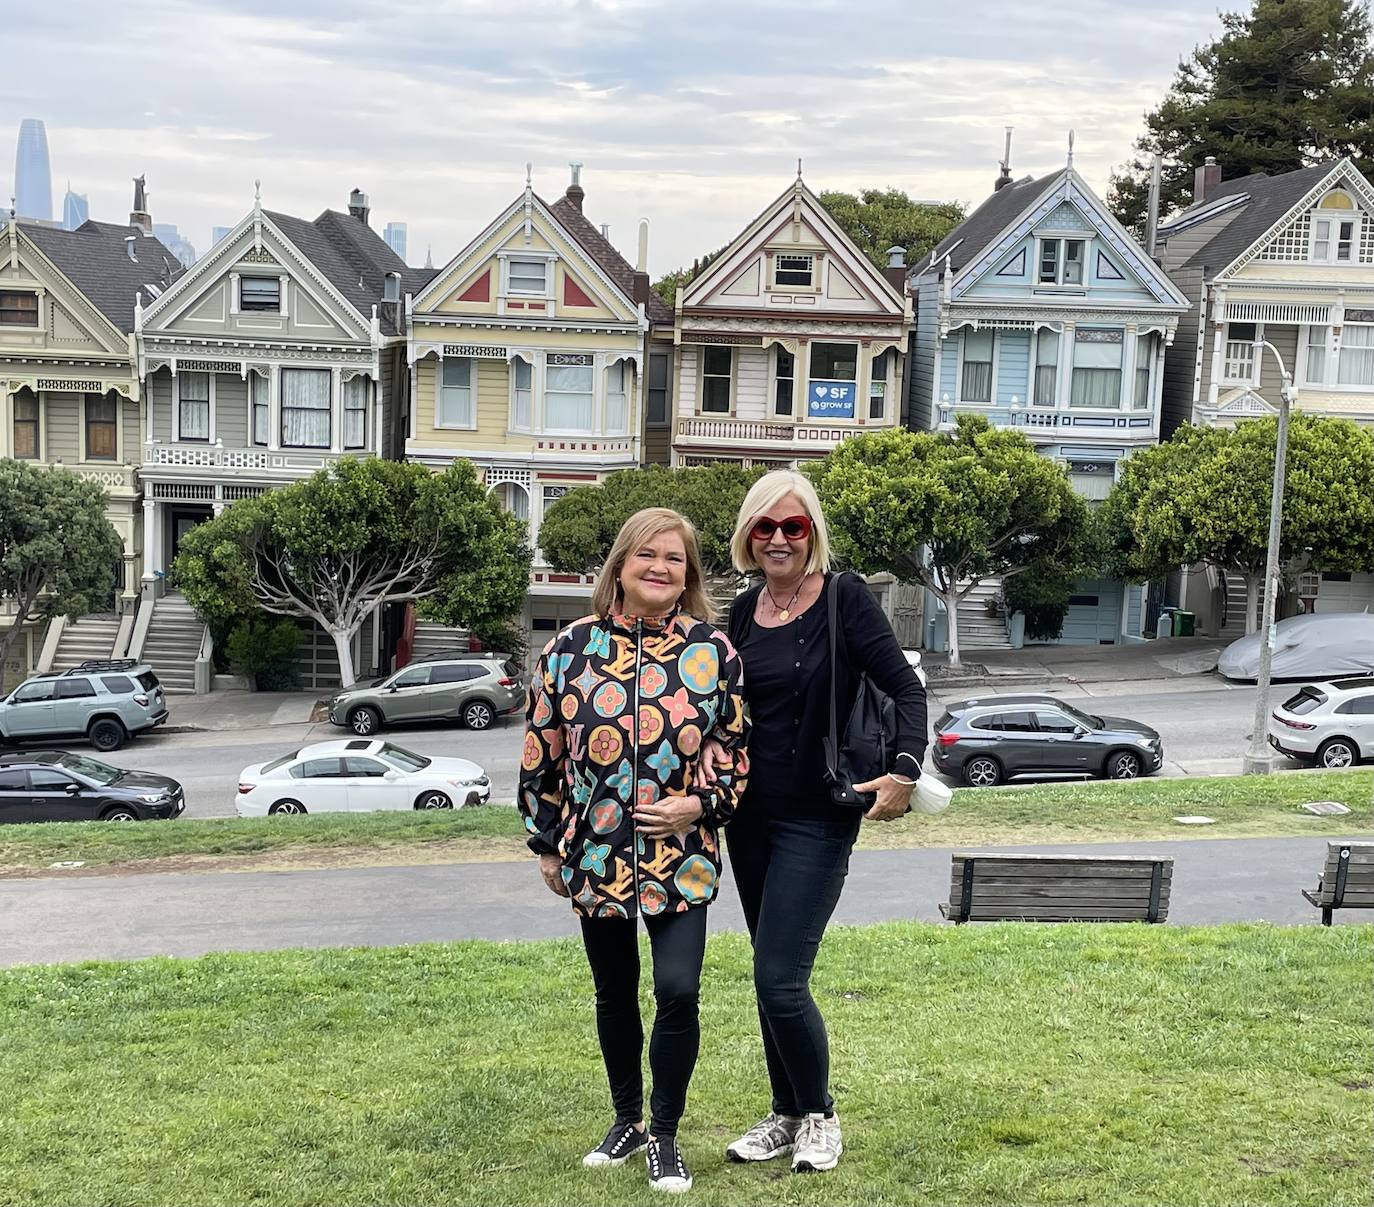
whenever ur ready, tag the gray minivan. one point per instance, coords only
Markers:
(472, 688)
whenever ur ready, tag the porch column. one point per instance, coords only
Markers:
(1218, 309)
(152, 552)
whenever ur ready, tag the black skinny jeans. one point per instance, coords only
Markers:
(790, 872)
(678, 944)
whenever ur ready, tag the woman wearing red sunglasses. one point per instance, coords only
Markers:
(789, 845)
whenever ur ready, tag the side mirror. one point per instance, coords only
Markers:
(392, 775)
(392, 690)
(72, 789)
(1079, 731)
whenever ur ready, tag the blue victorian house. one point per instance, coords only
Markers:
(1041, 312)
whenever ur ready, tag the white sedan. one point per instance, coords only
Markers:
(358, 776)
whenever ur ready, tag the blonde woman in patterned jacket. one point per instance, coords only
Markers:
(620, 704)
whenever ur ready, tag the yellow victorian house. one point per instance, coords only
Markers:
(528, 356)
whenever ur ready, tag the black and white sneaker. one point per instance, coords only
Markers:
(622, 1141)
(667, 1170)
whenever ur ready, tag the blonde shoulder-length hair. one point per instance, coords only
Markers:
(641, 528)
(763, 495)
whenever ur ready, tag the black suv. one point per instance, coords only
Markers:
(52, 785)
(984, 741)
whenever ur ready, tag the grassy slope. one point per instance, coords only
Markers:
(999, 1064)
(1091, 812)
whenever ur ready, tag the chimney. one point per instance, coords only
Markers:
(357, 205)
(575, 193)
(391, 291)
(139, 215)
(642, 263)
(129, 241)
(1152, 206)
(895, 272)
(1004, 176)
(1206, 179)
(606, 231)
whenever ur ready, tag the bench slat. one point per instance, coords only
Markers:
(1059, 892)
(1058, 914)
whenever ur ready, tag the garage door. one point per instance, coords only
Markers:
(1094, 614)
(1344, 592)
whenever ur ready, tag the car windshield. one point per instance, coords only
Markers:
(406, 760)
(1087, 720)
(93, 769)
(275, 763)
(1305, 701)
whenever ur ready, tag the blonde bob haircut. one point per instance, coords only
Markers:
(641, 528)
(763, 496)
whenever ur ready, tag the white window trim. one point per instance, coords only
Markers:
(626, 363)
(729, 412)
(240, 278)
(1061, 258)
(1336, 217)
(1256, 361)
(249, 378)
(334, 412)
(176, 412)
(889, 358)
(1300, 373)
(42, 316)
(860, 382)
(1035, 367)
(532, 360)
(1123, 399)
(119, 430)
(474, 373)
(598, 398)
(369, 394)
(959, 373)
(772, 414)
(808, 255)
(1333, 353)
(550, 261)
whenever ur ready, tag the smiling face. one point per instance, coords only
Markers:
(654, 575)
(781, 559)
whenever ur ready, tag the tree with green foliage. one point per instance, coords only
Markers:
(877, 219)
(354, 536)
(578, 529)
(1287, 84)
(58, 552)
(948, 510)
(264, 650)
(667, 285)
(1204, 496)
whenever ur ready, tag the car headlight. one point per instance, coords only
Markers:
(152, 798)
(1150, 742)
(463, 783)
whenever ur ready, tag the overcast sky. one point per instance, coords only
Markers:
(690, 114)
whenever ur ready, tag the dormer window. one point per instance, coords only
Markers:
(1061, 262)
(18, 309)
(794, 271)
(260, 293)
(1335, 229)
(529, 276)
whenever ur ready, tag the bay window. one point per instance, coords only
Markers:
(717, 372)
(355, 392)
(522, 383)
(877, 386)
(455, 393)
(26, 425)
(1144, 354)
(975, 378)
(1317, 337)
(568, 390)
(1044, 392)
(193, 406)
(1096, 368)
(305, 419)
(1355, 365)
(834, 376)
(784, 380)
(257, 406)
(617, 399)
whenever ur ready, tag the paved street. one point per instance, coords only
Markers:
(1204, 722)
(131, 917)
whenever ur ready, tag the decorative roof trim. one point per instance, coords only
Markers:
(121, 337)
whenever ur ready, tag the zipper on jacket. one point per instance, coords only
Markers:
(634, 777)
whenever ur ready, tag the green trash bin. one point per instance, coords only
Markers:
(1183, 624)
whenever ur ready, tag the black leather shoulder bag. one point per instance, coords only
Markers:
(870, 732)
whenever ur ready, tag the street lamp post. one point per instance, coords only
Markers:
(1258, 760)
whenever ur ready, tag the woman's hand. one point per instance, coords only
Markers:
(893, 797)
(713, 754)
(551, 868)
(668, 815)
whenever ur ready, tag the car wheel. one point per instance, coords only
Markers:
(107, 735)
(1336, 753)
(119, 813)
(478, 715)
(1123, 765)
(364, 721)
(287, 806)
(433, 800)
(982, 771)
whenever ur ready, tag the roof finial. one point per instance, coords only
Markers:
(1070, 148)
(799, 167)
(257, 215)
(529, 174)
(257, 193)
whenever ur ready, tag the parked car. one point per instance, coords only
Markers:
(472, 688)
(54, 785)
(359, 776)
(913, 658)
(1317, 645)
(985, 741)
(107, 700)
(1330, 724)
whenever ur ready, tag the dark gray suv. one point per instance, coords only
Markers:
(985, 741)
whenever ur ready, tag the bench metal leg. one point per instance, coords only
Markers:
(1326, 917)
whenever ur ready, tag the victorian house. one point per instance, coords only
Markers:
(1287, 260)
(789, 342)
(1041, 313)
(70, 396)
(533, 354)
(275, 355)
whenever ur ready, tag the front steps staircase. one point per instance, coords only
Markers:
(84, 638)
(979, 629)
(175, 635)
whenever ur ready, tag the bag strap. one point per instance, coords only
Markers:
(832, 746)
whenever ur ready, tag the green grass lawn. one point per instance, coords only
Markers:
(1073, 812)
(1001, 1064)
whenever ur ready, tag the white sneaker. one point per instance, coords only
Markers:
(818, 1145)
(772, 1136)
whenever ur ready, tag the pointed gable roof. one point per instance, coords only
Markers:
(610, 261)
(95, 258)
(982, 227)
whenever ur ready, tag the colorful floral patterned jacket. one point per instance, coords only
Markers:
(618, 710)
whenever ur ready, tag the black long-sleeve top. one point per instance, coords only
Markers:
(787, 687)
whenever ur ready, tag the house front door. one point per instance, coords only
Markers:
(180, 521)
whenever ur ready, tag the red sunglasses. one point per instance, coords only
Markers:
(794, 528)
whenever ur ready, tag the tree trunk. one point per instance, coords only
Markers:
(1252, 596)
(343, 643)
(951, 601)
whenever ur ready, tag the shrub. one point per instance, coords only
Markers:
(265, 650)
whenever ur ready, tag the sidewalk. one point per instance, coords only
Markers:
(1161, 659)
(239, 710)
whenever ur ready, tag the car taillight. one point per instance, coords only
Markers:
(1293, 724)
(946, 739)
(141, 700)
(509, 682)
(246, 787)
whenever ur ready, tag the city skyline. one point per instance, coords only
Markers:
(32, 171)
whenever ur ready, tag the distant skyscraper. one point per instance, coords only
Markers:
(218, 232)
(175, 242)
(395, 236)
(76, 208)
(32, 175)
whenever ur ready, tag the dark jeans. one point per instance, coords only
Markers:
(790, 872)
(678, 943)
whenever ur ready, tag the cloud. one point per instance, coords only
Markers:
(692, 114)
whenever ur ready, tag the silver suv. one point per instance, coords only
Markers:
(472, 688)
(106, 700)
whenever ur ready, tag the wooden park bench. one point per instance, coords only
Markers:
(1347, 880)
(1058, 888)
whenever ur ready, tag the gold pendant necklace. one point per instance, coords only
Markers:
(784, 614)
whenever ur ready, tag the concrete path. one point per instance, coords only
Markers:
(130, 917)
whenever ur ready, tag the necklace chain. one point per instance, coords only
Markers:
(784, 614)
